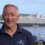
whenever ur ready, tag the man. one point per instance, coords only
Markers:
(11, 33)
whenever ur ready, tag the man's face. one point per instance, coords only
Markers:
(10, 16)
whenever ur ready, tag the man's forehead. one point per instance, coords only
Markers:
(11, 9)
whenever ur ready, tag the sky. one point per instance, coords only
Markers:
(26, 6)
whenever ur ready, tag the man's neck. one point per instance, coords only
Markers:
(11, 30)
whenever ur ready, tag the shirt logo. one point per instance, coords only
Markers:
(21, 42)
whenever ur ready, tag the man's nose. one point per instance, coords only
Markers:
(9, 17)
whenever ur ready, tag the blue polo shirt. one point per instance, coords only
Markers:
(21, 37)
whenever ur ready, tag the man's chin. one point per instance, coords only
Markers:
(10, 26)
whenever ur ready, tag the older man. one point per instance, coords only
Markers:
(11, 33)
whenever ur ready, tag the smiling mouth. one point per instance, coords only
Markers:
(10, 21)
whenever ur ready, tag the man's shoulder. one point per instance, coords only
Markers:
(23, 30)
(26, 32)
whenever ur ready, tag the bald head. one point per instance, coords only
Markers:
(10, 5)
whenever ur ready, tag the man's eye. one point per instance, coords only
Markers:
(4, 14)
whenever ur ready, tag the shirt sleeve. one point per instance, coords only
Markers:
(31, 40)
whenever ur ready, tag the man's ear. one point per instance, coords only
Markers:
(18, 18)
(2, 17)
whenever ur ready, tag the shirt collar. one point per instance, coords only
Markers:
(19, 29)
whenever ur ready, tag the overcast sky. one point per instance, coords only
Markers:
(26, 6)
